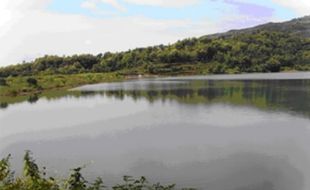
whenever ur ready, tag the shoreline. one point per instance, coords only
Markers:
(47, 85)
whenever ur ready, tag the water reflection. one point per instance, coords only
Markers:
(287, 95)
(3, 105)
(33, 99)
(208, 134)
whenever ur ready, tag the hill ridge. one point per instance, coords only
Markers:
(298, 26)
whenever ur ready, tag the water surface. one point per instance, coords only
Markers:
(222, 132)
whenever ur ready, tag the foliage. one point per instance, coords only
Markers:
(3, 82)
(259, 51)
(140, 184)
(18, 86)
(5, 172)
(32, 81)
(35, 179)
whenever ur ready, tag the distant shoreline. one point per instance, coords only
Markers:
(52, 86)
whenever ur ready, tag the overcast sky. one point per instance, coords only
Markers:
(32, 28)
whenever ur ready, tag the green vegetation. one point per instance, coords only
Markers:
(298, 26)
(32, 81)
(2, 82)
(38, 84)
(260, 51)
(35, 179)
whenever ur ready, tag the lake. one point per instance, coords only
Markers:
(221, 132)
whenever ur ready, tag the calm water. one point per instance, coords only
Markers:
(241, 132)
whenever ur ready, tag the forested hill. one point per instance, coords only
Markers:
(266, 48)
(298, 26)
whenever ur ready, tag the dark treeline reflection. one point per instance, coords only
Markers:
(286, 95)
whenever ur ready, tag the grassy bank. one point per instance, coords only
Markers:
(31, 88)
(21, 88)
(25, 86)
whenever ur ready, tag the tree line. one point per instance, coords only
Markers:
(261, 51)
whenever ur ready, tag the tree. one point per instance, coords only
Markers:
(248, 52)
(217, 68)
(273, 64)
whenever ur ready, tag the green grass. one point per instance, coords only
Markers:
(17, 89)
(18, 86)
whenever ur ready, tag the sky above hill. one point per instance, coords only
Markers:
(33, 28)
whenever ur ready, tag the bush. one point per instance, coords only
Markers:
(34, 179)
(32, 81)
(3, 82)
(218, 68)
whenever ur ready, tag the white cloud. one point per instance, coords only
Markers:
(301, 7)
(89, 4)
(11, 11)
(164, 3)
(115, 4)
(93, 5)
(29, 31)
(23, 5)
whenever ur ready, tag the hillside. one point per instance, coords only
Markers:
(298, 26)
(272, 47)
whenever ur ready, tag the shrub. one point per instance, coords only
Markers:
(32, 81)
(3, 82)
(34, 179)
